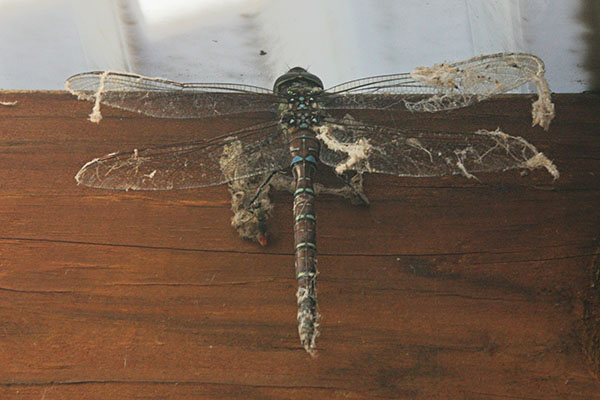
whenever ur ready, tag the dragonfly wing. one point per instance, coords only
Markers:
(252, 151)
(167, 99)
(367, 148)
(441, 87)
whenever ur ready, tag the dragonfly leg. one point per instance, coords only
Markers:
(355, 185)
(251, 207)
(352, 189)
(261, 187)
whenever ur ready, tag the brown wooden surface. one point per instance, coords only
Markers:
(444, 288)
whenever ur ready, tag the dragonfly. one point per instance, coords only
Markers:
(302, 134)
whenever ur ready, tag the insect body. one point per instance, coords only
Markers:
(300, 120)
(302, 133)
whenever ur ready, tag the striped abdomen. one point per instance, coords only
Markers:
(305, 149)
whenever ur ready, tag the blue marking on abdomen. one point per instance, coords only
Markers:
(296, 160)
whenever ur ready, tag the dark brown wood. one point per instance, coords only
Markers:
(444, 288)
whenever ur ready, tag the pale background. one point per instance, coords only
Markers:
(42, 42)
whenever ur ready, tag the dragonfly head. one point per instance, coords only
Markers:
(296, 76)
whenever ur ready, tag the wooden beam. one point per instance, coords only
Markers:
(443, 288)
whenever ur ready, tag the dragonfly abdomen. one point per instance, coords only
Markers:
(304, 147)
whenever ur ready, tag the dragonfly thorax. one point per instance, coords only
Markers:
(302, 109)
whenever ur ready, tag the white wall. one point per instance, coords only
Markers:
(45, 41)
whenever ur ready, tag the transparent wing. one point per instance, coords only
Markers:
(423, 153)
(441, 87)
(252, 151)
(167, 99)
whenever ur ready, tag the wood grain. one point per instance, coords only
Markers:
(444, 288)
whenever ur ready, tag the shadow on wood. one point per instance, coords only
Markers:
(443, 288)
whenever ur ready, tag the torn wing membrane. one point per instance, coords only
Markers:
(441, 87)
(191, 165)
(167, 99)
(425, 154)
